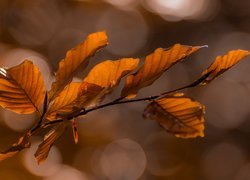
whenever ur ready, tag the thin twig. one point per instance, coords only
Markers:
(116, 102)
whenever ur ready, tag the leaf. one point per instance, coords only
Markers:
(22, 88)
(178, 114)
(109, 73)
(154, 66)
(103, 78)
(76, 59)
(48, 141)
(75, 132)
(89, 94)
(222, 64)
(23, 142)
(64, 102)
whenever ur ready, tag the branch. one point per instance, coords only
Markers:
(116, 102)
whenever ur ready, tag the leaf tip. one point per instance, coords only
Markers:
(204, 46)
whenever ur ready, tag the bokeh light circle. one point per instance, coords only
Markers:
(67, 173)
(176, 10)
(227, 105)
(127, 31)
(123, 159)
(222, 161)
(166, 154)
(13, 57)
(34, 25)
(16, 121)
(47, 168)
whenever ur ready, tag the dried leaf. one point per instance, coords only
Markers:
(23, 142)
(154, 66)
(103, 78)
(75, 60)
(48, 141)
(22, 88)
(222, 64)
(64, 102)
(178, 114)
(75, 132)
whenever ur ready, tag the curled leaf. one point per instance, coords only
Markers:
(23, 142)
(178, 114)
(223, 63)
(22, 88)
(48, 141)
(75, 132)
(154, 66)
(75, 60)
(64, 102)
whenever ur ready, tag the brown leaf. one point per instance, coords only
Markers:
(48, 141)
(222, 64)
(64, 102)
(154, 66)
(22, 88)
(89, 94)
(103, 78)
(75, 60)
(178, 114)
(23, 142)
(75, 132)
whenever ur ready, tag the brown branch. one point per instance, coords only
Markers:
(115, 102)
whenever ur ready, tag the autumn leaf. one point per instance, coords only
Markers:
(89, 94)
(22, 88)
(154, 66)
(75, 132)
(23, 142)
(64, 102)
(178, 114)
(48, 141)
(222, 64)
(104, 77)
(75, 60)
(109, 73)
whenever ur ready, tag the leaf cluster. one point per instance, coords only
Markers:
(22, 91)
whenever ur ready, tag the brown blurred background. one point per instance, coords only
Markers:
(117, 143)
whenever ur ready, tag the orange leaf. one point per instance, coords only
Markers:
(22, 88)
(109, 73)
(103, 78)
(154, 66)
(64, 102)
(48, 141)
(23, 142)
(222, 64)
(75, 60)
(178, 114)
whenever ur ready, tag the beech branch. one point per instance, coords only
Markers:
(112, 103)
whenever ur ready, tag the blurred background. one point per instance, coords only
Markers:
(117, 143)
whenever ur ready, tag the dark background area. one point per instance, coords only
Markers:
(117, 143)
